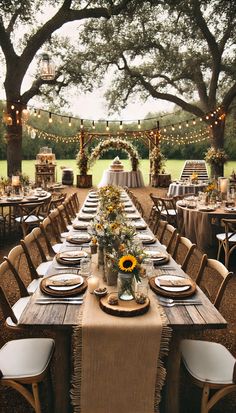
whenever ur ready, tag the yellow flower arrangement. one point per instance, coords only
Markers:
(127, 263)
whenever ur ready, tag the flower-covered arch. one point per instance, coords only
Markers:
(117, 144)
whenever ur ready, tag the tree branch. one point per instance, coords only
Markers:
(12, 22)
(5, 43)
(229, 97)
(163, 96)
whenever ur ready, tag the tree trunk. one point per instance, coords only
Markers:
(217, 141)
(14, 139)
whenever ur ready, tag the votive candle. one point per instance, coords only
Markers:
(93, 283)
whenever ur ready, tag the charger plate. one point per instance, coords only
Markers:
(172, 294)
(78, 239)
(124, 308)
(70, 257)
(62, 293)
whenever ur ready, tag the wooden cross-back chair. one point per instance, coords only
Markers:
(29, 216)
(183, 251)
(227, 240)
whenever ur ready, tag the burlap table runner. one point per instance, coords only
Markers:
(117, 361)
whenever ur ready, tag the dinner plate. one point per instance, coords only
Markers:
(155, 255)
(65, 276)
(15, 198)
(32, 198)
(206, 209)
(140, 225)
(88, 210)
(72, 255)
(78, 239)
(129, 209)
(132, 216)
(230, 209)
(171, 278)
(80, 225)
(85, 216)
(146, 239)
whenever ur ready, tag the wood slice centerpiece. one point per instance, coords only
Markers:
(124, 308)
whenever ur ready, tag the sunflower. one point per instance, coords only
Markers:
(99, 227)
(127, 263)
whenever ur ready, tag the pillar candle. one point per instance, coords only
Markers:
(224, 185)
(15, 180)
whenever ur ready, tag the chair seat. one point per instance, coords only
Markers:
(208, 362)
(56, 248)
(171, 212)
(18, 309)
(222, 237)
(25, 357)
(43, 268)
(30, 219)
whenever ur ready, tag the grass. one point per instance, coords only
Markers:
(174, 167)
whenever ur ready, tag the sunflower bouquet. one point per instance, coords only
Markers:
(127, 258)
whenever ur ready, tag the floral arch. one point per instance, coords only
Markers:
(117, 144)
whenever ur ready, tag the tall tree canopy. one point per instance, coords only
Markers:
(182, 52)
(25, 27)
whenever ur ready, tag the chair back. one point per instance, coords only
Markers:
(183, 252)
(212, 278)
(29, 214)
(229, 242)
(170, 239)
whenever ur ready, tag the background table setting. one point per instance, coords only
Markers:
(200, 223)
(118, 352)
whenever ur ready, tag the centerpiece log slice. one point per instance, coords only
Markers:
(124, 308)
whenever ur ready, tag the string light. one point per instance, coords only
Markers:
(107, 125)
(69, 123)
(121, 124)
(50, 118)
(139, 124)
(81, 123)
(93, 124)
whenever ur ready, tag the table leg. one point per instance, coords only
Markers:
(171, 394)
(62, 372)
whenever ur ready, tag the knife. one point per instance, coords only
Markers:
(78, 302)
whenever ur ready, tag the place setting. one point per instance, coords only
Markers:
(157, 256)
(62, 288)
(79, 239)
(172, 286)
(70, 258)
(80, 225)
(146, 238)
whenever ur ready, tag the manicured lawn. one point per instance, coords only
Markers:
(173, 167)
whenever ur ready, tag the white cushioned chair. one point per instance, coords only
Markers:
(26, 362)
(211, 366)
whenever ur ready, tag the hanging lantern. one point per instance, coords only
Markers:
(47, 68)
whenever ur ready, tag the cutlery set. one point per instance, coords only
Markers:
(57, 300)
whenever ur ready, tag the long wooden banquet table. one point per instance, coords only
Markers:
(62, 318)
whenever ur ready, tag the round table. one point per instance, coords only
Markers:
(201, 227)
(183, 189)
(13, 201)
(131, 179)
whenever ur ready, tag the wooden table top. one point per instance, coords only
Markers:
(204, 316)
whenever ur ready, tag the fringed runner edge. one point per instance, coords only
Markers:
(77, 364)
(164, 349)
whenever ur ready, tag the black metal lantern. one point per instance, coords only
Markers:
(47, 68)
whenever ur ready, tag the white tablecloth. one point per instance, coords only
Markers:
(181, 189)
(132, 179)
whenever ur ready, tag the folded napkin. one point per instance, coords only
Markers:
(183, 282)
(72, 254)
(62, 283)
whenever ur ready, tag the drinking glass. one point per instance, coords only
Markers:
(85, 267)
(148, 267)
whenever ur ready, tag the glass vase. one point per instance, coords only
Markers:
(126, 286)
